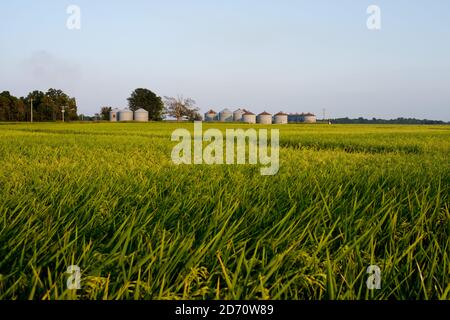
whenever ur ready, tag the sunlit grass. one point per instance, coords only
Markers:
(106, 197)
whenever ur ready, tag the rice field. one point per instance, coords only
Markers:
(107, 198)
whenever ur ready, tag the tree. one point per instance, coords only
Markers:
(11, 108)
(194, 115)
(5, 106)
(361, 120)
(180, 108)
(146, 99)
(46, 106)
(56, 100)
(104, 112)
(18, 109)
(40, 112)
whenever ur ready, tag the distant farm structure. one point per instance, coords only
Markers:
(140, 115)
(226, 115)
(245, 116)
(302, 118)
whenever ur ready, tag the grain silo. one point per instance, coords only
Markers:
(211, 115)
(125, 115)
(141, 115)
(225, 115)
(295, 118)
(113, 115)
(265, 118)
(249, 117)
(309, 118)
(281, 118)
(238, 115)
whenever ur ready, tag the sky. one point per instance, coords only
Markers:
(291, 56)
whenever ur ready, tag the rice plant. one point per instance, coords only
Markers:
(107, 198)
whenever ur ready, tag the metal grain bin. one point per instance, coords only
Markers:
(249, 117)
(295, 118)
(125, 115)
(238, 115)
(113, 115)
(211, 115)
(309, 118)
(264, 118)
(141, 115)
(225, 116)
(281, 118)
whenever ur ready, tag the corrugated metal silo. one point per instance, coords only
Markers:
(309, 118)
(226, 115)
(238, 115)
(125, 115)
(211, 115)
(141, 115)
(249, 117)
(295, 118)
(265, 118)
(113, 115)
(281, 118)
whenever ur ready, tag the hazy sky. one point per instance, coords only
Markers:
(262, 55)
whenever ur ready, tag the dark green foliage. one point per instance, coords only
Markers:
(11, 108)
(146, 99)
(46, 106)
(385, 121)
(104, 113)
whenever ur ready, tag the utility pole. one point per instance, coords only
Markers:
(324, 113)
(31, 103)
(62, 111)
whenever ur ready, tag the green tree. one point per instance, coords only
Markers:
(56, 100)
(146, 99)
(104, 112)
(11, 108)
(194, 115)
(18, 109)
(46, 106)
(40, 111)
(5, 106)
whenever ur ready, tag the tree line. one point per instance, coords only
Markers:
(361, 120)
(47, 106)
(158, 108)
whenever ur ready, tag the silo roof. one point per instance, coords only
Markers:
(211, 111)
(141, 110)
(248, 113)
(225, 111)
(281, 113)
(265, 114)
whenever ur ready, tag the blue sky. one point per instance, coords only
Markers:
(262, 55)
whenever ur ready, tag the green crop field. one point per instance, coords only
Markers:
(107, 198)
